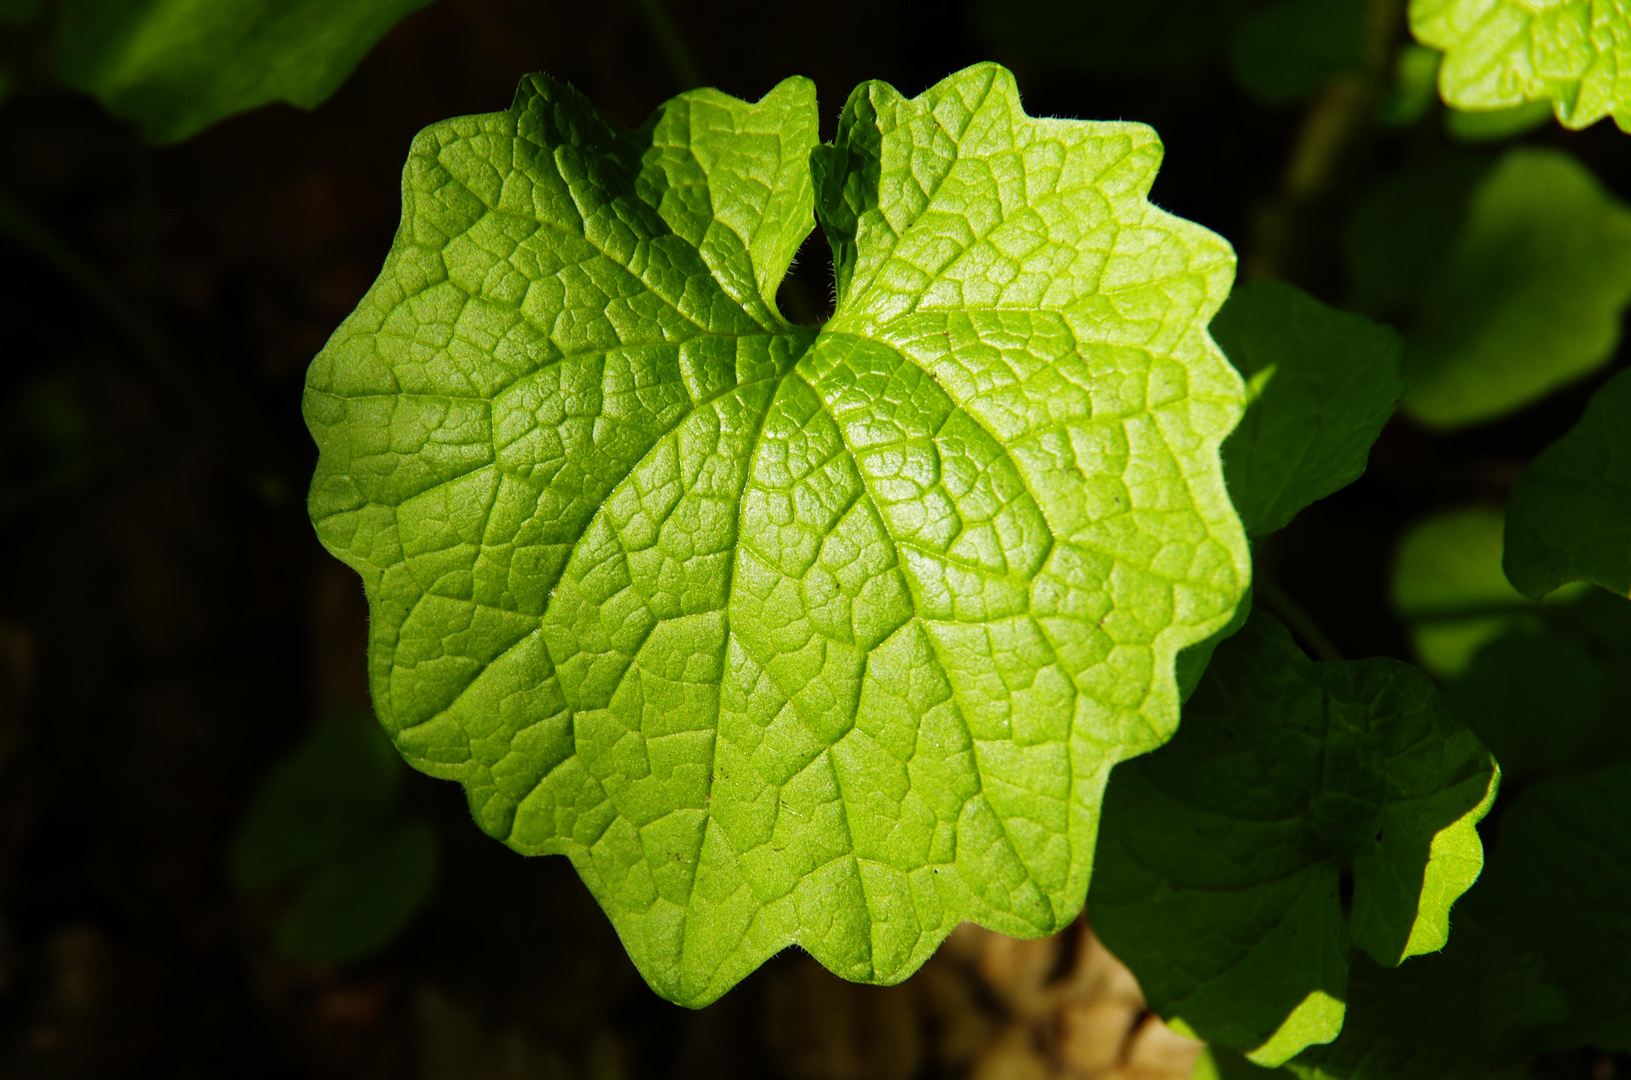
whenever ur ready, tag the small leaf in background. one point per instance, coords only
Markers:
(782, 635)
(1449, 588)
(1413, 89)
(1108, 36)
(1286, 49)
(318, 802)
(1502, 297)
(1495, 124)
(1533, 700)
(323, 822)
(1569, 514)
(177, 66)
(1503, 53)
(1223, 855)
(1320, 384)
(357, 903)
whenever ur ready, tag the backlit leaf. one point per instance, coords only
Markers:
(1502, 53)
(782, 635)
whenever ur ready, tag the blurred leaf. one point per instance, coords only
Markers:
(1496, 124)
(1287, 49)
(1413, 90)
(317, 803)
(361, 901)
(1502, 53)
(1221, 858)
(1320, 384)
(1507, 283)
(177, 66)
(1569, 515)
(1449, 588)
(1110, 37)
(1401, 228)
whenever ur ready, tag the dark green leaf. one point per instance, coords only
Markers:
(1223, 856)
(177, 66)
(1320, 383)
(316, 803)
(357, 904)
(1108, 36)
(1569, 515)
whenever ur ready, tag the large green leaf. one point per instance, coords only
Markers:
(177, 66)
(785, 636)
(1320, 385)
(1226, 855)
(1569, 515)
(1500, 53)
(1508, 280)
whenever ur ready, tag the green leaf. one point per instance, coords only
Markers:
(1413, 87)
(1320, 383)
(1287, 49)
(1449, 587)
(315, 804)
(1501, 53)
(1225, 855)
(1515, 681)
(1569, 515)
(1108, 36)
(785, 636)
(357, 904)
(1508, 283)
(1476, 127)
(177, 66)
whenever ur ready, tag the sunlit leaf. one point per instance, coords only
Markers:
(782, 635)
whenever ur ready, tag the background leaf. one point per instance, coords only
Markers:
(1569, 514)
(1502, 53)
(1286, 49)
(1507, 283)
(358, 903)
(177, 66)
(1227, 857)
(1320, 385)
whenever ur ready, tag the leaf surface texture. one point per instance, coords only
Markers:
(784, 635)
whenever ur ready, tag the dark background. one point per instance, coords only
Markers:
(169, 626)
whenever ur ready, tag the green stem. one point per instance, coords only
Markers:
(34, 237)
(1291, 613)
(680, 60)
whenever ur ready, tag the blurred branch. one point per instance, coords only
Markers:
(681, 62)
(1288, 611)
(1336, 126)
(34, 237)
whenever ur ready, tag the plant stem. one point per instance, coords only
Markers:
(681, 62)
(34, 237)
(1291, 613)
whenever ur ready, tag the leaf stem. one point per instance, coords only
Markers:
(1278, 601)
(681, 62)
(33, 236)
